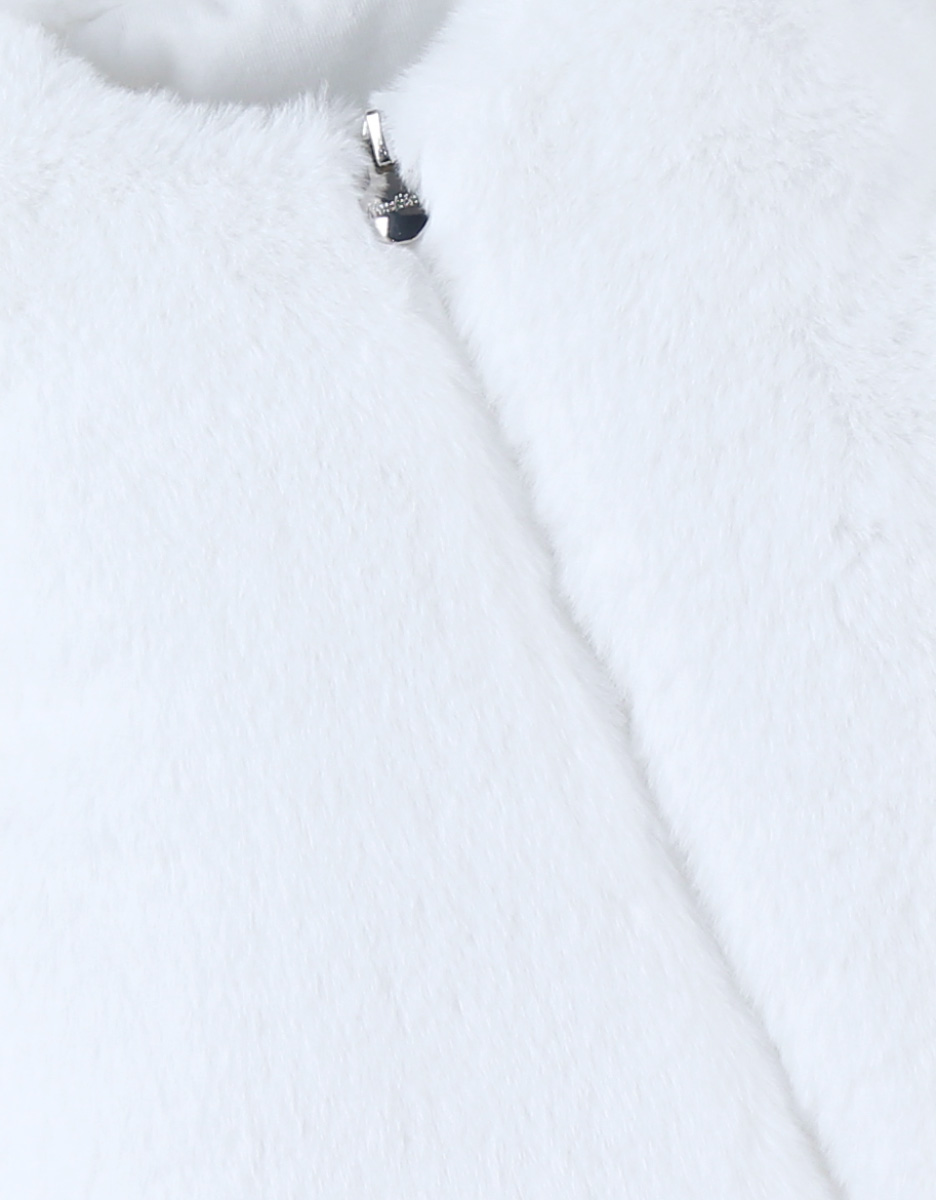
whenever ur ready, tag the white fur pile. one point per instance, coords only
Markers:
(691, 249)
(256, 50)
(323, 868)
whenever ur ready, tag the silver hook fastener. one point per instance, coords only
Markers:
(397, 213)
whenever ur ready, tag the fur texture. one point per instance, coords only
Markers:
(324, 868)
(243, 49)
(691, 248)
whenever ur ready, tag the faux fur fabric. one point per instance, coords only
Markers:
(691, 249)
(325, 871)
(257, 50)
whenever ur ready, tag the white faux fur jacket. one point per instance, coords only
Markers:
(469, 710)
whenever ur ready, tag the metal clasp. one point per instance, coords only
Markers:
(397, 213)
